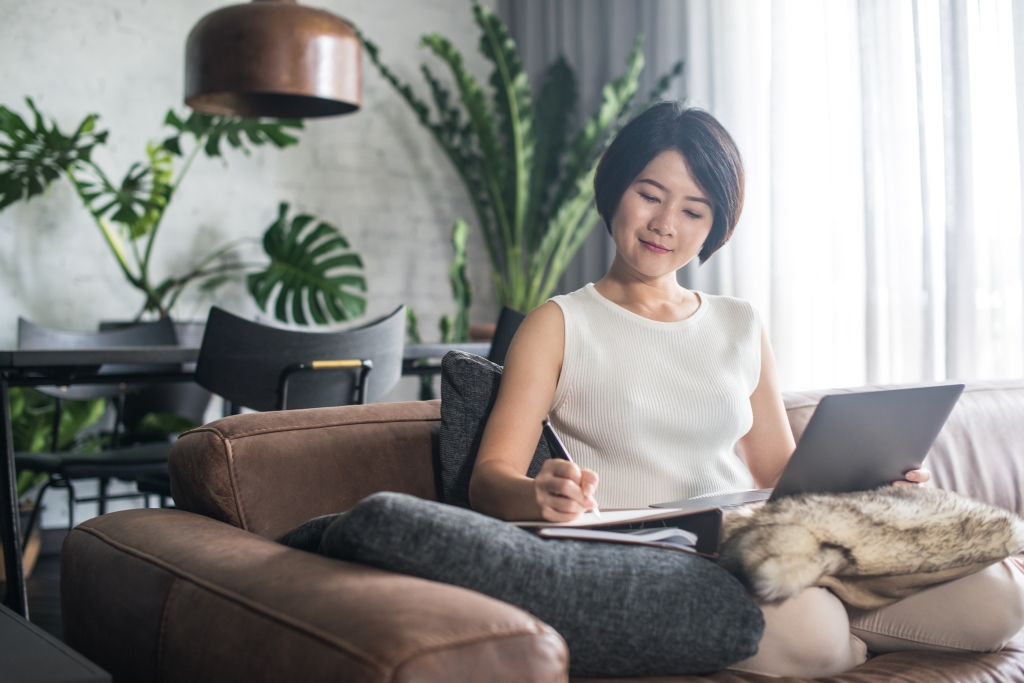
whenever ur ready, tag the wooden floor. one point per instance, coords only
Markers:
(44, 585)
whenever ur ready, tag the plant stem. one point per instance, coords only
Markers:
(108, 235)
(156, 225)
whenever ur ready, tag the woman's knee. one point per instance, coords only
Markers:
(979, 613)
(806, 636)
(997, 594)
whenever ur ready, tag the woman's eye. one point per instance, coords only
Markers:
(693, 215)
(648, 198)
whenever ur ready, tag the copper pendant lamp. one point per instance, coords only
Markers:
(273, 58)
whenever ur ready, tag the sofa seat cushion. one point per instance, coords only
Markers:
(623, 611)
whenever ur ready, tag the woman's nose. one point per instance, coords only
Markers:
(662, 224)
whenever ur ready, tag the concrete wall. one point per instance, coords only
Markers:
(376, 174)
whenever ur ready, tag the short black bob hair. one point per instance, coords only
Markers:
(707, 147)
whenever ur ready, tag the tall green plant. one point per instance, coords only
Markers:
(457, 330)
(529, 177)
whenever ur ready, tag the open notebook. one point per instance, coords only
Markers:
(666, 537)
(696, 531)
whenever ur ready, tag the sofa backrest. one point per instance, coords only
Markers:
(980, 450)
(269, 472)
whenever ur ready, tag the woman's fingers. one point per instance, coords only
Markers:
(919, 476)
(914, 477)
(559, 492)
(588, 484)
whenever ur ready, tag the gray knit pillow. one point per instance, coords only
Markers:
(623, 610)
(469, 385)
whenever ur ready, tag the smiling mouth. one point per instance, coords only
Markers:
(656, 248)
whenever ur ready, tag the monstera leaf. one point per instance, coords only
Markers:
(32, 157)
(138, 203)
(214, 129)
(310, 268)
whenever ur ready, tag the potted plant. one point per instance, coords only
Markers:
(528, 175)
(312, 276)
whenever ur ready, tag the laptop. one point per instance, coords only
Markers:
(853, 442)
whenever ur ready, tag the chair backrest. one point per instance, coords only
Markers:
(186, 399)
(508, 322)
(37, 337)
(242, 361)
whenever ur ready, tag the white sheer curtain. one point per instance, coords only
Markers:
(881, 239)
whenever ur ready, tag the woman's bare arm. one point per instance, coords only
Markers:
(769, 444)
(499, 486)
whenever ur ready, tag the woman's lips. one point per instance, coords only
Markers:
(656, 248)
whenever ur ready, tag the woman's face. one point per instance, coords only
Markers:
(663, 218)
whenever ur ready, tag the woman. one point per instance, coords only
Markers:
(668, 393)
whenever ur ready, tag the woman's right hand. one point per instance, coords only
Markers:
(564, 491)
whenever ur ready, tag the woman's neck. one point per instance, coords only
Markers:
(659, 298)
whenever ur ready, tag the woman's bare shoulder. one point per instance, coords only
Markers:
(540, 336)
(546, 315)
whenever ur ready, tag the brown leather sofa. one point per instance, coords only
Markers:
(203, 593)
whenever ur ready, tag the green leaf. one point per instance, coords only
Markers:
(32, 157)
(139, 201)
(513, 112)
(483, 127)
(173, 145)
(555, 108)
(212, 130)
(306, 271)
(214, 283)
(462, 291)
(457, 141)
(163, 424)
(412, 326)
(32, 420)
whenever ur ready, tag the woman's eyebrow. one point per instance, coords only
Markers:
(665, 189)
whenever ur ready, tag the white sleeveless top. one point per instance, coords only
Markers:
(656, 408)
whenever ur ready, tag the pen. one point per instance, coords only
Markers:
(559, 451)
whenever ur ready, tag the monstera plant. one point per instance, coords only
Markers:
(529, 176)
(304, 264)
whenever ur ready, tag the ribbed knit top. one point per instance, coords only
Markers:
(656, 408)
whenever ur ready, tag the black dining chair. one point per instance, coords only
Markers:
(184, 399)
(269, 368)
(508, 322)
(126, 463)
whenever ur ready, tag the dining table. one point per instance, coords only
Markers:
(126, 365)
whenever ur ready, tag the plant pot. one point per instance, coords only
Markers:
(482, 332)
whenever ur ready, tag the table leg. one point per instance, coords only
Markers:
(17, 597)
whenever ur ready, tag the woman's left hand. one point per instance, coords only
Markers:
(914, 477)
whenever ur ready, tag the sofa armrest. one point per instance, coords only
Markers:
(269, 472)
(165, 595)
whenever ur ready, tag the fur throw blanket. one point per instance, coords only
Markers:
(870, 548)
